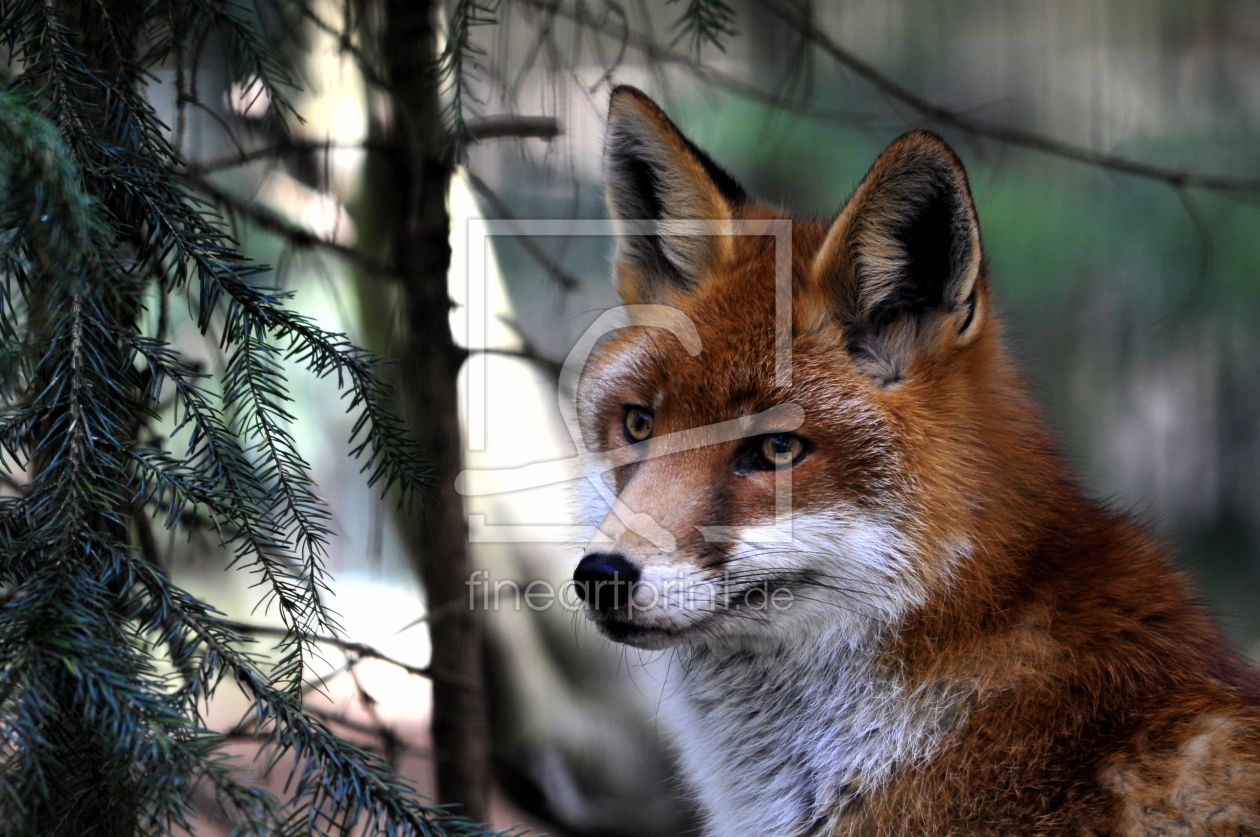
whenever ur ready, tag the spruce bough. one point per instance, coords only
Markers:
(105, 665)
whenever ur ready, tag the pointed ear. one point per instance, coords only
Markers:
(903, 262)
(654, 174)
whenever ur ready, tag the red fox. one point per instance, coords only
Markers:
(952, 639)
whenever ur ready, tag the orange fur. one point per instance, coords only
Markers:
(1098, 697)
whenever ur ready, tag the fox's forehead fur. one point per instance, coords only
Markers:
(733, 310)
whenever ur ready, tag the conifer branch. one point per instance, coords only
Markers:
(105, 665)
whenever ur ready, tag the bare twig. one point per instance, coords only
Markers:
(508, 126)
(940, 115)
(295, 235)
(1204, 272)
(147, 542)
(656, 53)
(503, 126)
(391, 744)
(434, 616)
(437, 615)
(930, 111)
(565, 280)
(345, 42)
(248, 734)
(16, 487)
(152, 555)
(359, 649)
(390, 739)
(288, 146)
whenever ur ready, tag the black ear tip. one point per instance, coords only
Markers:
(628, 90)
(922, 147)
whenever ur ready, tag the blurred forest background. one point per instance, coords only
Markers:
(1132, 304)
(1114, 154)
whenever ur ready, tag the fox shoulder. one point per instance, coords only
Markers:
(1205, 782)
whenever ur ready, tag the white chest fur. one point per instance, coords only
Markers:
(778, 741)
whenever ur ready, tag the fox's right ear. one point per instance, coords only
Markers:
(654, 175)
(903, 262)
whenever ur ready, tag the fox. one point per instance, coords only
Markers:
(941, 634)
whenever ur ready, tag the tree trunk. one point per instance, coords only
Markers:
(429, 362)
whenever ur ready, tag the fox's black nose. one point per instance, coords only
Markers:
(605, 579)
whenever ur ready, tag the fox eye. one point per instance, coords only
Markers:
(638, 424)
(783, 450)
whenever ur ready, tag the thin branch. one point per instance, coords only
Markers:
(391, 744)
(1204, 272)
(295, 235)
(433, 617)
(345, 42)
(528, 351)
(931, 111)
(289, 146)
(503, 126)
(1011, 136)
(565, 280)
(400, 744)
(145, 538)
(249, 735)
(658, 54)
(508, 126)
(152, 555)
(19, 488)
(357, 648)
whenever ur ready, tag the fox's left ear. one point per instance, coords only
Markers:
(903, 262)
(654, 175)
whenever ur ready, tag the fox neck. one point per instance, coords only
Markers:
(784, 739)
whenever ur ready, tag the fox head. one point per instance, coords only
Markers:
(836, 476)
